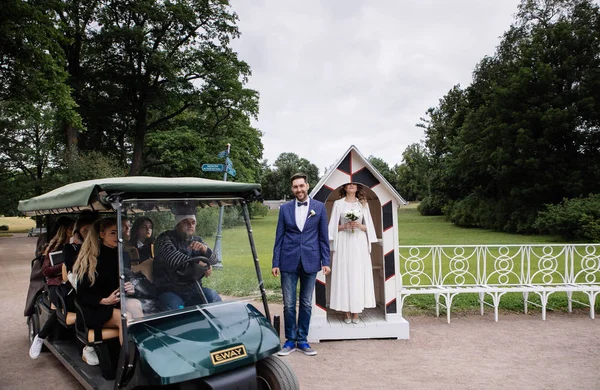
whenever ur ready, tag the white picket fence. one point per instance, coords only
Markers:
(494, 270)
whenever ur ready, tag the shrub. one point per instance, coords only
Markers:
(431, 205)
(206, 221)
(232, 217)
(4, 228)
(572, 219)
(257, 209)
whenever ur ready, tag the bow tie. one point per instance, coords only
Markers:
(302, 203)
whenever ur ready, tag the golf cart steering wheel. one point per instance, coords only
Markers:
(192, 270)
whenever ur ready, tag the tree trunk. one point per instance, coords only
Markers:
(138, 146)
(71, 136)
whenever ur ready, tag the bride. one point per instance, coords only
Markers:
(351, 233)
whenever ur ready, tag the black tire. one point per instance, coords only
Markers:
(274, 373)
(33, 324)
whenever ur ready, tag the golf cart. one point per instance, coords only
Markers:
(225, 344)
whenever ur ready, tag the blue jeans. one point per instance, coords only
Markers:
(171, 301)
(297, 332)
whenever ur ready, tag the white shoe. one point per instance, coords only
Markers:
(89, 356)
(36, 347)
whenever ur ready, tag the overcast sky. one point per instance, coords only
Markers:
(348, 72)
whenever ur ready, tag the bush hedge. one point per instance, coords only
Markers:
(575, 219)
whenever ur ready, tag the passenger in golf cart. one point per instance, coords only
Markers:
(174, 248)
(97, 273)
(54, 284)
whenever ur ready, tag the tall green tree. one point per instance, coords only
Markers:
(383, 168)
(275, 182)
(163, 59)
(525, 132)
(413, 174)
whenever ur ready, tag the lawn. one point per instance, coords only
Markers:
(415, 229)
(16, 224)
(238, 277)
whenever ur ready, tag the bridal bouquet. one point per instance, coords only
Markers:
(352, 215)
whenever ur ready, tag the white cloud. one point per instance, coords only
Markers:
(336, 73)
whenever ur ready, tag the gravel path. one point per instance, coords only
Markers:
(473, 352)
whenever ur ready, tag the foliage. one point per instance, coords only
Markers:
(275, 182)
(431, 205)
(151, 87)
(413, 175)
(384, 169)
(232, 216)
(257, 210)
(88, 166)
(207, 221)
(4, 228)
(526, 132)
(572, 219)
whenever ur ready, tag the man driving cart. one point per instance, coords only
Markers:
(177, 267)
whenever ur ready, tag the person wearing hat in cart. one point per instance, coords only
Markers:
(173, 250)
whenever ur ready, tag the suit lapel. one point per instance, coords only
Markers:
(292, 214)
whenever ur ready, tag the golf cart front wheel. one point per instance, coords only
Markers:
(273, 373)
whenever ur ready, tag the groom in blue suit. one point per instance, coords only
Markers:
(301, 250)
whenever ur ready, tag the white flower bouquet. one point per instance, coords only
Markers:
(352, 215)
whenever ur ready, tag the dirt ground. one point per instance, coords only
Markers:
(473, 352)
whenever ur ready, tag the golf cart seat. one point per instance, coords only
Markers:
(146, 267)
(103, 342)
(67, 319)
(106, 333)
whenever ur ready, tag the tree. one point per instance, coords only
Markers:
(163, 59)
(525, 132)
(383, 168)
(413, 175)
(26, 143)
(276, 182)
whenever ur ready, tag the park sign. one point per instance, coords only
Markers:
(213, 168)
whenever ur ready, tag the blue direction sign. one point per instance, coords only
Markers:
(223, 154)
(231, 171)
(228, 162)
(213, 168)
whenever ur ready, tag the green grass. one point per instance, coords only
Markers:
(17, 224)
(238, 277)
(415, 229)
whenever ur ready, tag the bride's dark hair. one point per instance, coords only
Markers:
(360, 193)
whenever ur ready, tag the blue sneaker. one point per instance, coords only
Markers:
(288, 348)
(304, 347)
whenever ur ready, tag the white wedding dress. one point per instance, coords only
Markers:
(352, 287)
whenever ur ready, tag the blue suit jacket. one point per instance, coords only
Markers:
(311, 245)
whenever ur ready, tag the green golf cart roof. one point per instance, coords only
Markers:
(94, 194)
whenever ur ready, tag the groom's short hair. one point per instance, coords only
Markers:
(299, 175)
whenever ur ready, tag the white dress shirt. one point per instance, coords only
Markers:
(301, 213)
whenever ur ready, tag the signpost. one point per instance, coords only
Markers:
(226, 168)
(212, 168)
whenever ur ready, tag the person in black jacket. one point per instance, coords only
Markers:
(173, 249)
(97, 273)
(142, 238)
(54, 284)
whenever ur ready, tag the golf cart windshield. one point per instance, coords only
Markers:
(173, 259)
